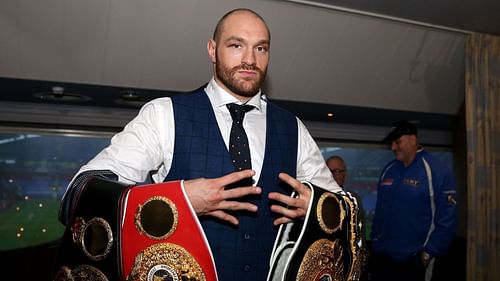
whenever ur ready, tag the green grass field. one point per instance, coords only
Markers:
(30, 222)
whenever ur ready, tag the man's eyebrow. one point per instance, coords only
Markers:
(234, 38)
(240, 39)
(263, 42)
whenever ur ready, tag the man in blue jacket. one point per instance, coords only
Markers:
(415, 215)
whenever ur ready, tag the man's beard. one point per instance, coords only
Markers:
(239, 86)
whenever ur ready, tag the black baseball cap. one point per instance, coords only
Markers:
(398, 129)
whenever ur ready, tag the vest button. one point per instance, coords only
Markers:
(246, 236)
(246, 267)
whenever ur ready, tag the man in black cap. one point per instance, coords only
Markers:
(415, 215)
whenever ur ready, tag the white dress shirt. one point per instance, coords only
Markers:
(147, 142)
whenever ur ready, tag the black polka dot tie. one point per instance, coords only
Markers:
(238, 141)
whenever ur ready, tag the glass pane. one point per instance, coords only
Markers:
(35, 169)
(364, 165)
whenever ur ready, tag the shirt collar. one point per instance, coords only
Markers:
(221, 97)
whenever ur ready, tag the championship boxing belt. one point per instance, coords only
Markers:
(89, 249)
(125, 232)
(324, 246)
(162, 237)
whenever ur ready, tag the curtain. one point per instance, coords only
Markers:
(482, 102)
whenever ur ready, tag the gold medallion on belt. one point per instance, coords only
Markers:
(166, 261)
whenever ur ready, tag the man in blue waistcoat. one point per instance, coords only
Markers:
(187, 137)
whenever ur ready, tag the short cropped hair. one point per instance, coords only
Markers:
(218, 27)
(336, 157)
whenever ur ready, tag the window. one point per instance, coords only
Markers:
(35, 168)
(37, 165)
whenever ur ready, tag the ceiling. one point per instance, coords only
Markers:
(368, 62)
(464, 15)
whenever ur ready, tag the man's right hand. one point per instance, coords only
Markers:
(209, 196)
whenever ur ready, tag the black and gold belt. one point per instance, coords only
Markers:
(325, 246)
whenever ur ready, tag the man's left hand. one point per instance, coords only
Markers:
(425, 258)
(296, 206)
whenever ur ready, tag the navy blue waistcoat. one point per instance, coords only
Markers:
(241, 252)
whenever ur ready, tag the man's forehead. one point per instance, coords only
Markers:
(335, 162)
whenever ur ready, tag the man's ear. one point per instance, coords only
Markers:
(413, 139)
(211, 48)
